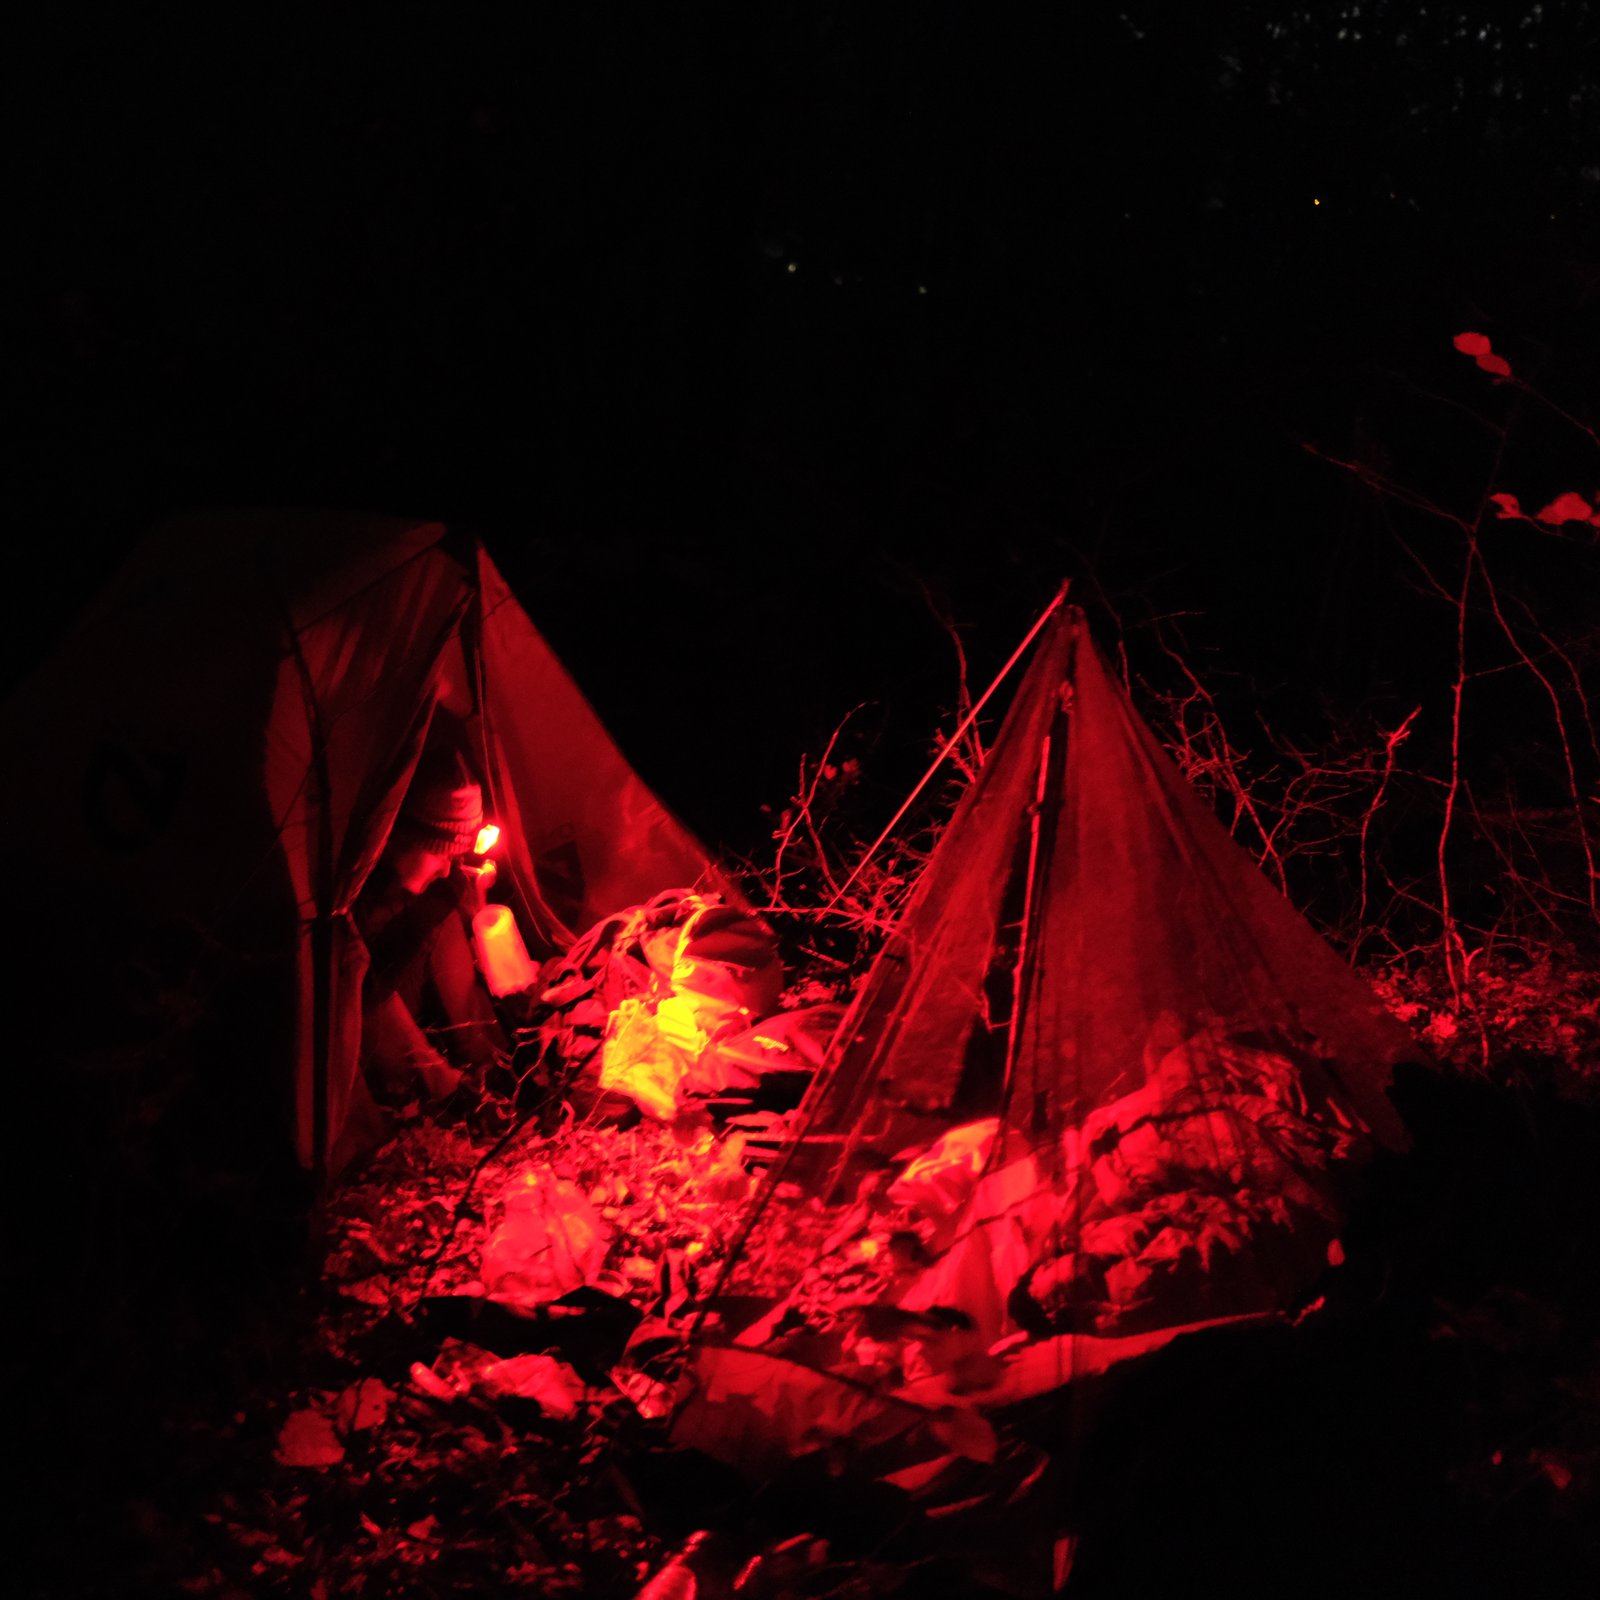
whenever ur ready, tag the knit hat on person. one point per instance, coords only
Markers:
(443, 808)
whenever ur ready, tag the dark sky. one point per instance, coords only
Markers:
(731, 327)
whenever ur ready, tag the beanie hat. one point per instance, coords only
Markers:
(443, 808)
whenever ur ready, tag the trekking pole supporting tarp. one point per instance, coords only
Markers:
(949, 745)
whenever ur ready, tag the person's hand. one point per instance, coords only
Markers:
(476, 880)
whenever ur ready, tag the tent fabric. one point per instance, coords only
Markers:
(586, 836)
(1168, 1074)
(230, 730)
(346, 729)
(902, 1048)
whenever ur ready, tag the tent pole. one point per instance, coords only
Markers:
(1047, 802)
(1022, 969)
(949, 745)
(322, 924)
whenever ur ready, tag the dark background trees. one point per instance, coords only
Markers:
(731, 328)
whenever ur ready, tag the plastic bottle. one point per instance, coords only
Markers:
(502, 956)
(676, 1580)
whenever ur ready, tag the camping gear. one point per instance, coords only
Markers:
(646, 1056)
(549, 1241)
(655, 989)
(721, 960)
(237, 720)
(502, 956)
(1102, 1079)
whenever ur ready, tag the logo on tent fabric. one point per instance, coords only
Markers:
(130, 797)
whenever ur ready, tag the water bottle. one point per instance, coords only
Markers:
(677, 1580)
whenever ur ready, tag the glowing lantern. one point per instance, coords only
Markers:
(488, 838)
(502, 957)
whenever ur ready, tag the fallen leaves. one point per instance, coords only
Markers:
(365, 1404)
(314, 1435)
(308, 1439)
(464, 1433)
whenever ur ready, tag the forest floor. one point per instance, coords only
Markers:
(365, 1422)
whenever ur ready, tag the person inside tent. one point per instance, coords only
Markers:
(422, 984)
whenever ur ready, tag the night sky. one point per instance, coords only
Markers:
(734, 329)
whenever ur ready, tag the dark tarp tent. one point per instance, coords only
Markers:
(225, 739)
(1102, 1084)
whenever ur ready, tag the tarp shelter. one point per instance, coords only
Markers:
(1102, 1083)
(223, 743)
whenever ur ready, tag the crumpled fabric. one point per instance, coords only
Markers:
(790, 1041)
(550, 1239)
(939, 1182)
(652, 988)
(1173, 1196)
(648, 1051)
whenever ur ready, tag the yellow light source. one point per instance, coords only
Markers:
(488, 838)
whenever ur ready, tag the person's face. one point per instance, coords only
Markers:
(416, 868)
